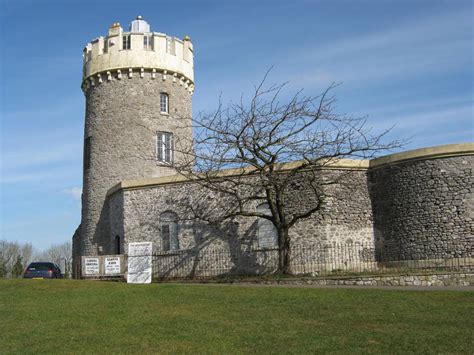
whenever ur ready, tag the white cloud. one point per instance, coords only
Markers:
(39, 176)
(75, 192)
(420, 34)
(416, 105)
(39, 154)
(21, 158)
(436, 118)
(435, 44)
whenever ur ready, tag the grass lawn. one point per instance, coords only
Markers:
(65, 316)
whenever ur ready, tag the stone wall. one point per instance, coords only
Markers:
(424, 209)
(400, 209)
(122, 118)
(346, 216)
(448, 279)
(231, 247)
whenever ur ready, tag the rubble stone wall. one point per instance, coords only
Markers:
(122, 120)
(424, 209)
(232, 246)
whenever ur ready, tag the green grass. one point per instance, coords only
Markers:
(63, 316)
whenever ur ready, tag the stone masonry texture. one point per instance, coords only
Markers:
(418, 207)
(413, 210)
(122, 120)
(407, 210)
(424, 209)
(135, 214)
(410, 211)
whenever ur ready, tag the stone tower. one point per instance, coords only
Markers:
(138, 87)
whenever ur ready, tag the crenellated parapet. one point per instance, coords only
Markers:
(148, 55)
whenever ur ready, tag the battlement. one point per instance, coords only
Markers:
(138, 50)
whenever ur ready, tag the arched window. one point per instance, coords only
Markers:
(169, 231)
(267, 235)
(117, 244)
(164, 103)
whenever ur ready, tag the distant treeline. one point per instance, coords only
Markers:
(15, 257)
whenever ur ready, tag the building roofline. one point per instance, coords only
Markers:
(443, 151)
(340, 164)
(440, 151)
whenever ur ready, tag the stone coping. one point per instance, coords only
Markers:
(340, 164)
(143, 183)
(443, 151)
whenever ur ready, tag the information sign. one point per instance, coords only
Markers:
(139, 262)
(91, 266)
(112, 265)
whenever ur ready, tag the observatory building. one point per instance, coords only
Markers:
(138, 87)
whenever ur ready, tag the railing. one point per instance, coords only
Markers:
(314, 260)
(331, 259)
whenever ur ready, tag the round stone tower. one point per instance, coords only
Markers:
(138, 87)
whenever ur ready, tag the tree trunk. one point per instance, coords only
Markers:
(284, 252)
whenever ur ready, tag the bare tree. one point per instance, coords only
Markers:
(10, 253)
(261, 151)
(60, 254)
(26, 253)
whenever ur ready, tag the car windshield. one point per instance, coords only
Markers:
(40, 266)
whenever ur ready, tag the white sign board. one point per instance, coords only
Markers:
(139, 263)
(112, 265)
(91, 266)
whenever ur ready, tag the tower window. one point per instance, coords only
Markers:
(169, 231)
(126, 42)
(164, 147)
(87, 153)
(164, 103)
(148, 42)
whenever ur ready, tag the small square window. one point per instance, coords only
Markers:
(126, 42)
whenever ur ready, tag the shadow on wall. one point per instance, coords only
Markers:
(218, 249)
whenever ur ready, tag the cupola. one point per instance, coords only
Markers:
(139, 25)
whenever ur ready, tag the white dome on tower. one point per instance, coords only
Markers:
(139, 25)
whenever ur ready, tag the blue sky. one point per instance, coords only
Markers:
(407, 63)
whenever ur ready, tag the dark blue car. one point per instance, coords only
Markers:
(42, 270)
